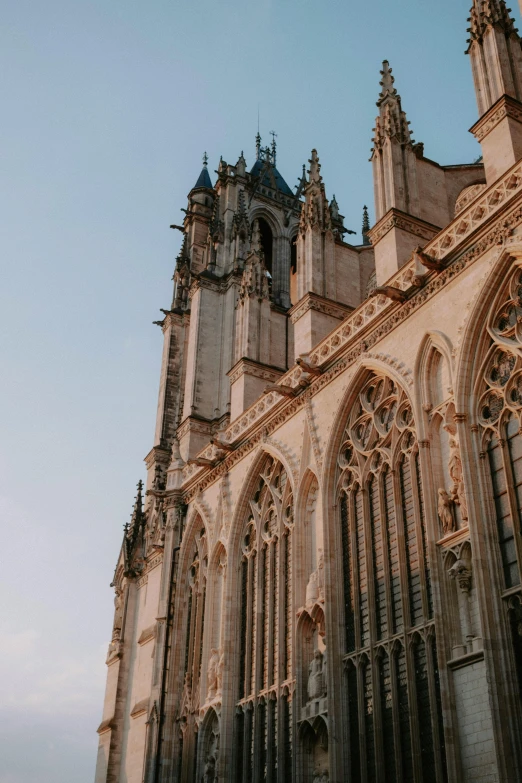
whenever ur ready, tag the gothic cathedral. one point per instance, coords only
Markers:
(321, 580)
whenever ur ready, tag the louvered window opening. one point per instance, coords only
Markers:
(390, 678)
(266, 676)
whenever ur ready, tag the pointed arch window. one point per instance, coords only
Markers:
(266, 626)
(499, 412)
(387, 589)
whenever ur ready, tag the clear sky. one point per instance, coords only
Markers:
(107, 108)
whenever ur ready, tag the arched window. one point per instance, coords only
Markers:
(499, 396)
(387, 590)
(264, 708)
(267, 242)
(194, 584)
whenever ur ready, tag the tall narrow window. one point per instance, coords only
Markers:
(387, 586)
(266, 625)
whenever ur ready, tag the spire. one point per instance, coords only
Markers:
(315, 168)
(365, 226)
(489, 13)
(334, 208)
(495, 50)
(388, 91)
(204, 180)
(258, 145)
(391, 122)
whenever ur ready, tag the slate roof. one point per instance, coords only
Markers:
(281, 184)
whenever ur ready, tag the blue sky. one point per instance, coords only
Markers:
(108, 107)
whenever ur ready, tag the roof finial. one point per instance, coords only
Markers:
(274, 135)
(205, 159)
(365, 226)
(258, 145)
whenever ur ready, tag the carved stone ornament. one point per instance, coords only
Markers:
(461, 572)
(458, 493)
(317, 676)
(445, 511)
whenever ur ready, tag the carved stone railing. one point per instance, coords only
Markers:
(471, 218)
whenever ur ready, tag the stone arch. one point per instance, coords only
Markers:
(248, 488)
(476, 338)
(488, 412)
(213, 651)
(208, 756)
(281, 251)
(307, 499)
(381, 550)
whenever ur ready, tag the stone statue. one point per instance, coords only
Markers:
(445, 511)
(209, 774)
(213, 673)
(455, 470)
(221, 666)
(118, 612)
(320, 575)
(312, 589)
(316, 681)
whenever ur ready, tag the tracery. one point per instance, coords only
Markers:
(499, 410)
(195, 584)
(391, 661)
(264, 707)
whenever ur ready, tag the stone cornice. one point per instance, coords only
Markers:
(157, 454)
(321, 304)
(504, 107)
(191, 424)
(394, 218)
(210, 282)
(247, 366)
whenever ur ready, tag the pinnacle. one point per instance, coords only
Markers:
(489, 13)
(256, 242)
(387, 82)
(315, 167)
(365, 226)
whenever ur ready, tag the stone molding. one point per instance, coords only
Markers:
(193, 425)
(147, 634)
(504, 107)
(106, 725)
(394, 218)
(247, 366)
(311, 301)
(284, 409)
(140, 708)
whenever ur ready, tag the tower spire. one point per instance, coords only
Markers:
(204, 181)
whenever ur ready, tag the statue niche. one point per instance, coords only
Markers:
(317, 676)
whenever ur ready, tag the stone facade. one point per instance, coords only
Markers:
(321, 581)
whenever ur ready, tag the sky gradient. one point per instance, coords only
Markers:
(108, 106)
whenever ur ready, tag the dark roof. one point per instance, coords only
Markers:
(281, 184)
(203, 179)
